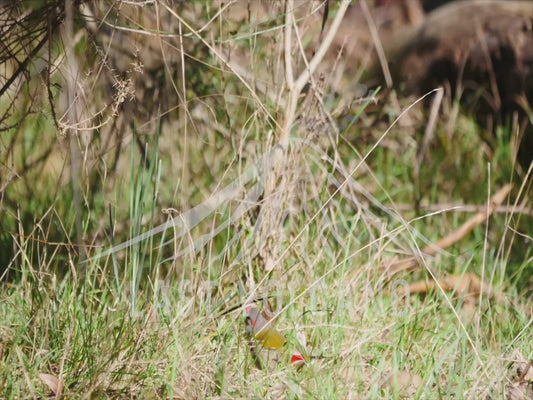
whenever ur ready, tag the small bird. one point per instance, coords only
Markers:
(260, 326)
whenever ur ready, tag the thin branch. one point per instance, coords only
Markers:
(324, 46)
(469, 225)
(465, 208)
(289, 20)
(24, 65)
(395, 265)
(296, 88)
(222, 59)
(377, 43)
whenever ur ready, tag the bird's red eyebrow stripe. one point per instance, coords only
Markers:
(251, 319)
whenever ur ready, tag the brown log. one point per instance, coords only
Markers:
(482, 50)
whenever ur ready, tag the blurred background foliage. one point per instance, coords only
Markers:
(146, 78)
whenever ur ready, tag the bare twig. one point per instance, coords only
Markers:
(295, 87)
(429, 133)
(377, 43)
(324, 46)
(395, 265)
(465, 208)
(289, 20)
(469, 225)
(73, 116)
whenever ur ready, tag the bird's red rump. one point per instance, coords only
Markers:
(297, 358)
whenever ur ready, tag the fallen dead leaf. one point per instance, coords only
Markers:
(405, 382)
(525, 372)
(522, 386)
(468, 286)
(55, 385)
(519, 391)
